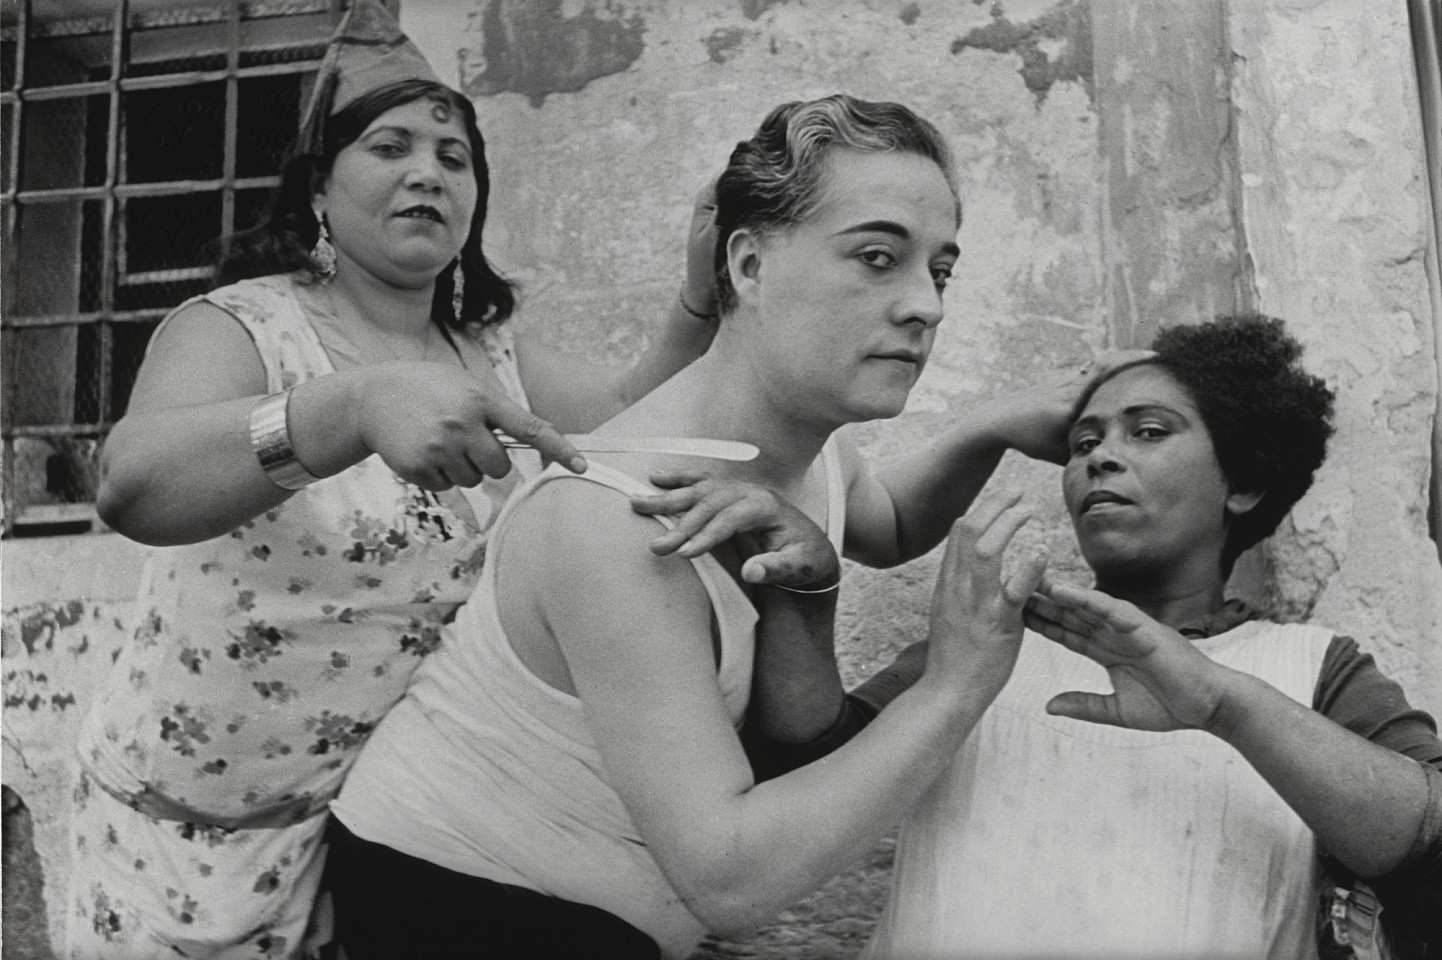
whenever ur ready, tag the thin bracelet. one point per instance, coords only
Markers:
(270, 439)
(708, 317)
(782, 586)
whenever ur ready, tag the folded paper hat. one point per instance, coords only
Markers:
(367, 51)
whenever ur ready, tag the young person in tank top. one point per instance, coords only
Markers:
(585, 791)
(1074, 822)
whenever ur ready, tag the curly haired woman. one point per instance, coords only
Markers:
(1067, 826)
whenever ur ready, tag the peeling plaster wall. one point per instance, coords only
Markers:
(1122, 164)
(1333, 202)
(592, 187)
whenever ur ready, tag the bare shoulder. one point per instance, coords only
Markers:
(576, 550)
(201, 354)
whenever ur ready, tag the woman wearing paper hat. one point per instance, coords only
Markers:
(311, 447)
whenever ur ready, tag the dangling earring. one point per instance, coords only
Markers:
(458, 293)
(322, 255)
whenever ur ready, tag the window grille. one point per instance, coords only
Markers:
(136, 136)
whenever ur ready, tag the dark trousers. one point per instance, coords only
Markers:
(390, 906)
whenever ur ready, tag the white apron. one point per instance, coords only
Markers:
(1052, 837)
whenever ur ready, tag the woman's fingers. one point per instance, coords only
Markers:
(525, 427)
(1096, 608)
(991, 546)
(461, 471)
(741, 515)
(790, 548)
(714, 517)
(1109, 360)
(985, 511)
(667, 504)
(1091, 707)
(963, 543)
(672, 479)
(709, 515)
(1024, 580)
(482, 452)
(684, 491)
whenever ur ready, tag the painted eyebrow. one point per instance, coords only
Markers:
(896, 230)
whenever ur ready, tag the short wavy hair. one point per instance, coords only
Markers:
(283, 241)
(1268, 418)
(775, 179)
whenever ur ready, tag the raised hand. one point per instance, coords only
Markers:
(1160, 681)
(1035, 421)
(781, 544)
(976, 620)
(432, 425)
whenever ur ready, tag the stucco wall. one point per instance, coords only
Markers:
(1334, 207)
(1122, 167)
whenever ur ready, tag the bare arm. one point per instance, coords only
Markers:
(734, 851)
(179, 467)
(902, 509)
(1364, 802)
(796, 691)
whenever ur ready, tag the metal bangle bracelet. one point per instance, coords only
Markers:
(782, 586)
(270, 439)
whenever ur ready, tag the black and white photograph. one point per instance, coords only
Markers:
(721, 479)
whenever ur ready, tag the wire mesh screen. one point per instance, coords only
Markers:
(119, 184)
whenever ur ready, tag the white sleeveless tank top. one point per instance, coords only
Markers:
(1054, 837)
(485, 769)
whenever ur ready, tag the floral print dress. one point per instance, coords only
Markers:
(261, 662)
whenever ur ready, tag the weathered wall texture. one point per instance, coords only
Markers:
(66, 612)
(1333, 202)
(1124, 164)
(593, 185)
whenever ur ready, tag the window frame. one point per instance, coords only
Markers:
(269, 26)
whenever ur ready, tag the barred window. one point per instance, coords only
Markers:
(135, 137)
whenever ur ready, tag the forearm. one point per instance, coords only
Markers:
(796, 690)
(892, 680)
(188, 474)
(792, 834)
(1364, 802)
(929, 489)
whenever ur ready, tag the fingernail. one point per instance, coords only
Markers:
(578, 463)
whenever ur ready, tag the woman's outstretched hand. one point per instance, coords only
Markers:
(976, 610)
(781, 544)
(1160, 681)
(433, 425)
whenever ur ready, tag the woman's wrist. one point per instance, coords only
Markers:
(270, 440)
(999, 424)
(1231, 697)
(698, 308)
(325, 419)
